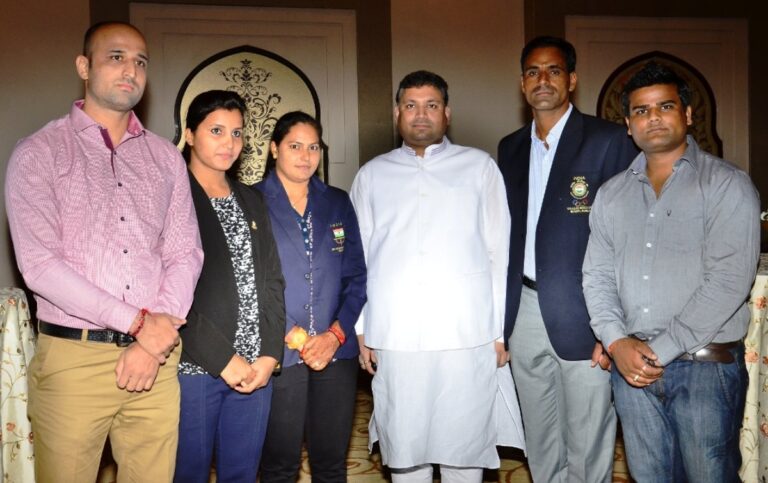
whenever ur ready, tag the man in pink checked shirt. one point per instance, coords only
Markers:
(106, 237)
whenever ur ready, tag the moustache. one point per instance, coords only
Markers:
(546, 90)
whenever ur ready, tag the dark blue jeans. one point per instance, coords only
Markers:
(217, 419)
(685, 426)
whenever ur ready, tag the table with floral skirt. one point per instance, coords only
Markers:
(754, 428)
(17, 339)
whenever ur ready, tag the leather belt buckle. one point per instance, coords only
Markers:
(123, 340)
(714, 352)
(111, 337)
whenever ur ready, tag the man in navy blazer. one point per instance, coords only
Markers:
(552, 169)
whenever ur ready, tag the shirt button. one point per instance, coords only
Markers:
(119, 184)
(645, 277)
(649, 245)
(652, 215)
(122, 218)
(645, 310)
(127, 287)
(306, 275)
(125, 250)
(306, 306)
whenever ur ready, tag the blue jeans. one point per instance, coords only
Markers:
(685, 426)
(215, 417)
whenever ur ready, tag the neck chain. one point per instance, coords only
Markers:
(298, 199)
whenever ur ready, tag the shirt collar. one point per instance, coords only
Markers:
(82, 121)
(430, 150)
(691, 156)
(557, 130)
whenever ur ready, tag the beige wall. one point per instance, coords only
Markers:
(476, 50)
(38, 83)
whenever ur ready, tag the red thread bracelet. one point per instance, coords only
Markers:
(335, 330)
(142, 313)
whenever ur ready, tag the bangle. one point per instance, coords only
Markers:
(142, 313)
(335, 330)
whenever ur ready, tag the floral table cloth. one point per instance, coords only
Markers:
(17, 339)
(754, 428)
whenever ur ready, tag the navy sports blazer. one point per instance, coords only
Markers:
(590, 152)
(339, 273)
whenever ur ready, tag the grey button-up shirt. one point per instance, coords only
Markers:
(675, 270)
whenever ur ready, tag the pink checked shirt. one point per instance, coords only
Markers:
(99, 232)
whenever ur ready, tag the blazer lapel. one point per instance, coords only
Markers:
(217, 258)
(320, 215)
(248, 212)
(283, 214)
(567, 148)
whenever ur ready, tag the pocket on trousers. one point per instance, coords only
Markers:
(40, 363)
(733, 382)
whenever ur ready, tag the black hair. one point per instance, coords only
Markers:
(207, 102)
(283, 127)
(653, 74)
(422, 78)
(94, 29)
(565, 48)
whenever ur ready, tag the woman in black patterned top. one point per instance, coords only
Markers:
(233, 337)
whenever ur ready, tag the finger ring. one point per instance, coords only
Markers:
(637, 376)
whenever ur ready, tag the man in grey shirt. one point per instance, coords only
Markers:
(671, 258)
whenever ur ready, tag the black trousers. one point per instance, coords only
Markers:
(318, 407)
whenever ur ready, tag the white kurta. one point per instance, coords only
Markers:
(435, 231)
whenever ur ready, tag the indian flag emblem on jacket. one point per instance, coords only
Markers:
(338, 235)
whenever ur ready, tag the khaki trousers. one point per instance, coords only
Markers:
(75, 404)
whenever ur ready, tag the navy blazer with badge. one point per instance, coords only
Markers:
(339, 273)
(590, 151)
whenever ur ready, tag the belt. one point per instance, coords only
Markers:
(714, 352)
(106, 335)
(531, 284)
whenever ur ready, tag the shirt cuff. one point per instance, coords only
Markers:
(611, 334)
(123, 317)
(665, 348)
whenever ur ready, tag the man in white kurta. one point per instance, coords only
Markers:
(435, 228)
